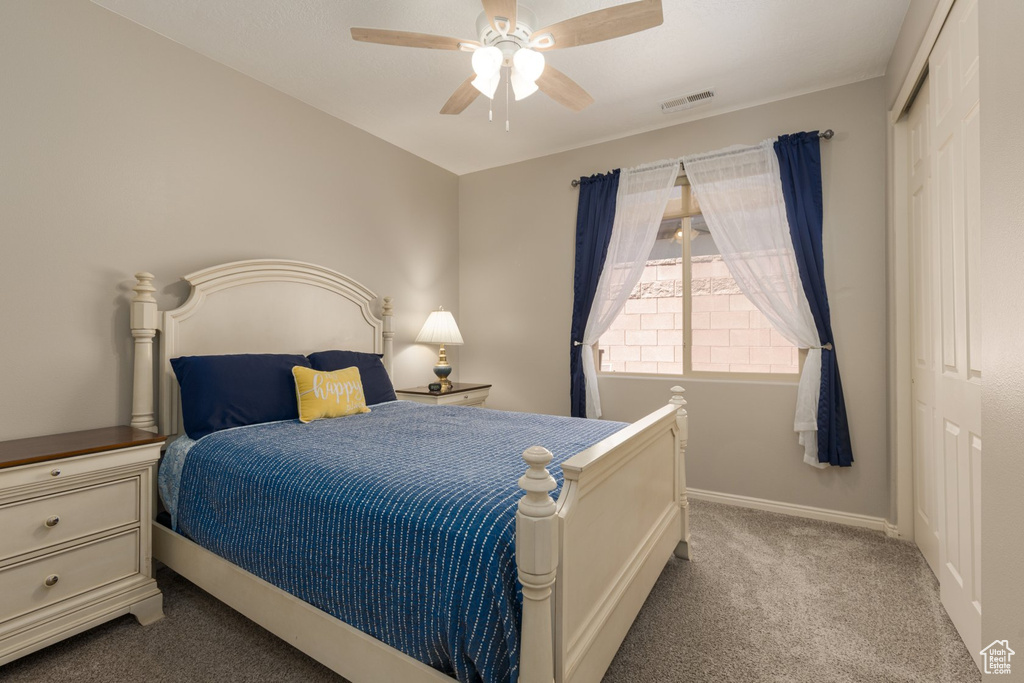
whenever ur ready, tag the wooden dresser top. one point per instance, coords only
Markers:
(56, 446)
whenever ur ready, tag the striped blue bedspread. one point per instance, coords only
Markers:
(400, 522)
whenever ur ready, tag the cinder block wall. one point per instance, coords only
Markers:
(729, 334)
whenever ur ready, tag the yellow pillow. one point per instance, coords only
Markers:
(328, 394)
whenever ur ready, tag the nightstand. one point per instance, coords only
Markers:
(461, 395)
(75, 547)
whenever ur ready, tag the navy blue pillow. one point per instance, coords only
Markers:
(377, 386)
(218, 392)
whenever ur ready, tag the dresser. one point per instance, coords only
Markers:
(75, 539)
(462, 394)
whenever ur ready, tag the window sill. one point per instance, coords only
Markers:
(786, 380)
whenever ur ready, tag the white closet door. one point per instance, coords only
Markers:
(945, 227)
(924, 285)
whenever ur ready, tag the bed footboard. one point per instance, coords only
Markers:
(588, 562)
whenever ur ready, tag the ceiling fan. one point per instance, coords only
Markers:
(507, 38)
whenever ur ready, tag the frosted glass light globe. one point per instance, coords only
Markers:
(529, 63)
(487, 84)
(521, 86)
(487, 61)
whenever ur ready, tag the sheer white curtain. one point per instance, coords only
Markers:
(740, 195)
(639, 206)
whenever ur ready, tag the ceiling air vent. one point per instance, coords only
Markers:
(687, 101)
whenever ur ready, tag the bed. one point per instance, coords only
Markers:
(584, 563)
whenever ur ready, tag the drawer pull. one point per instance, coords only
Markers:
(52, 580)
(54, 473)
(52, 521)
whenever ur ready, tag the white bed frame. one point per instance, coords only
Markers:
(586, 561)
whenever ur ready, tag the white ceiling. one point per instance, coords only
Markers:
(749, 51)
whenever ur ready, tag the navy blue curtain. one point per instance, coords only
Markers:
(594, 217)
(800, 163)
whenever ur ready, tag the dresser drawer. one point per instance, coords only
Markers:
(24, 587)
(462, 398)
(462, 394)
(40, 522)
(78, 469)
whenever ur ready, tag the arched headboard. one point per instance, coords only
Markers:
(255, 306)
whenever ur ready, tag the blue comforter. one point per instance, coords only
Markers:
(400, 522)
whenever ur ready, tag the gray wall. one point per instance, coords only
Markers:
(122, 151)
(516, 261)
(1002, 253)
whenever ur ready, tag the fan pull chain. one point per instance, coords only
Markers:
(508, 79)
(490, 112)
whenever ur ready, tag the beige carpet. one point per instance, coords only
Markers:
(766, 598)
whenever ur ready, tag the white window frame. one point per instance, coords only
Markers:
(688, 371)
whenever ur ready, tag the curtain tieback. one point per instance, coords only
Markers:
(577, 343)
(827, 347)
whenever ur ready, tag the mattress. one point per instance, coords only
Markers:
(400, 522)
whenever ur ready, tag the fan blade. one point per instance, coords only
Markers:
(409, 39)
(604, 24)
(563, 89)
(501, 8)
(461, 98)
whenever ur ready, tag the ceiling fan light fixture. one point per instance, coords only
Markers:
(487, 62)
(508, 37)
(529, 63)
(521, 85)
(487, 85)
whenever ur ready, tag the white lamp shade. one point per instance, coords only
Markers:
(487, 61)
(487, 84)
(529, 63)
(521, 86)
(440, 328)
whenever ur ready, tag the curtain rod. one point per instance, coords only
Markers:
(827, 134)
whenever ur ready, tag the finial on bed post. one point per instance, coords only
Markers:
(682, 434)
(387, 312)
(537, 560)
(143, 324)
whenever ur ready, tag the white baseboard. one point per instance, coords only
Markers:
(848, 518)
(892, 530)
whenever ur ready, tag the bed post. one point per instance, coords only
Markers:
(682, 433)
(143, 324)
(387, 313)
(537, 560)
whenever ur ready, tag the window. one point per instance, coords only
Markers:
(687, 316)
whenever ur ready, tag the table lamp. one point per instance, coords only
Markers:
(440, 328)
